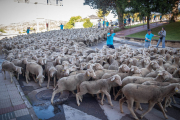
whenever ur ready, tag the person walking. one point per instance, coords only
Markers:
(61, 26)
(28, 30)
(107, 24)
(103, 23)
(110, 37)
(124, 21)
(99, 24)
(162, 34)
(148, 38)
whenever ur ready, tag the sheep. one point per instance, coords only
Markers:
(146, 94)
(34, 69)
(100, 86)
(51, 71)
(72, 82)
(10, 67)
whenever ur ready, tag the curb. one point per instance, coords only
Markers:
(28, 104)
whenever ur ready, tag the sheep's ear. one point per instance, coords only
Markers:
(132, 69)
(152, 63)
(160, 73)
(120, 66)
(113, 78)
(176, 89)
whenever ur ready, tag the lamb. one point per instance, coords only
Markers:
(51, 71)
(72, 82)
(10, 67)
(146, 94)
(35, 69)
(100, 86)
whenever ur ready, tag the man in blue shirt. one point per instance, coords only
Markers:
(61, 26)
(124, 21)
(148, 38)
(28, 30)
(110, 37)
(103, 23)
(107, 24)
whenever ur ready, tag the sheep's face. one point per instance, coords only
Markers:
(165, 74)
(124, 68)
(155, 65)
(117, 79)
(66, 72)
(40, 78)
(52, 71)
(91, 73)
(171, 69)
(98, 66)
(177, 88)
(18, 69)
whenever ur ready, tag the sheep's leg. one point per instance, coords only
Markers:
(4, 74)
(98, 97)
(11, 76)
(102, 94)
(114, 92)
(174, 101)
(48, 81)
(130, 107)
(151, 105)
(18, 76)
(108, 97)
(165, 104)
(121, 101)
(119, 92)
(160, 105)
(78, 89)
(54, 93)
(54, 81)
(78, 97)
(138, 106)
(73, 92)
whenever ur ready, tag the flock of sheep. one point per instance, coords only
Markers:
(140, 75)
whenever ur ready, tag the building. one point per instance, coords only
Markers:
(94, 19)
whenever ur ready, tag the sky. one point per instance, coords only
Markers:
(13, 12)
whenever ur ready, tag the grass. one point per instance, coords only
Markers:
(172, 32)
(127, 27)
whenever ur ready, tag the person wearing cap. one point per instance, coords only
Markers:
(148, 38)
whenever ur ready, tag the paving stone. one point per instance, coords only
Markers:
(6, 110)
(21, 112)
(12, 88)
(17, 101)
(15, 96)
(13, 119)
(13, 93)
(3, 88)
(7, 116)
(19, 107)
(4, 95)
(25, 117)
(5, 103)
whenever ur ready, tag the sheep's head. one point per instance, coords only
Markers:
(73, 68)
(97, 66)
(165, 74)
(40, 78)
(82, 66)
(117, 79)
(52, 71)
(124, 68)
(135, 70)
(19, 70)
(154, 65)
(177, 88)
(91, 73)
(65, 64)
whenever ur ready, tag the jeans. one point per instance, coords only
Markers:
(99, 26)
(111, 46)
(163, 42)
(147, 44)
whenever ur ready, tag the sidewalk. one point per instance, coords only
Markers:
(13, 103)
(139, 29)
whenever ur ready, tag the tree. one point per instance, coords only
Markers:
(72, 21)
(145, 7)
(87, 23)
(115, 6)
(100, 13)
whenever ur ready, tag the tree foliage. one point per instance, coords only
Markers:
(72, 21)
(100, 13)
(87, 23)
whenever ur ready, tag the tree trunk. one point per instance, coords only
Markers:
(148, 27)
(120, 18)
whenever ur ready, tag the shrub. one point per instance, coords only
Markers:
(2, 30)
(68, 26)
(87, 24)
